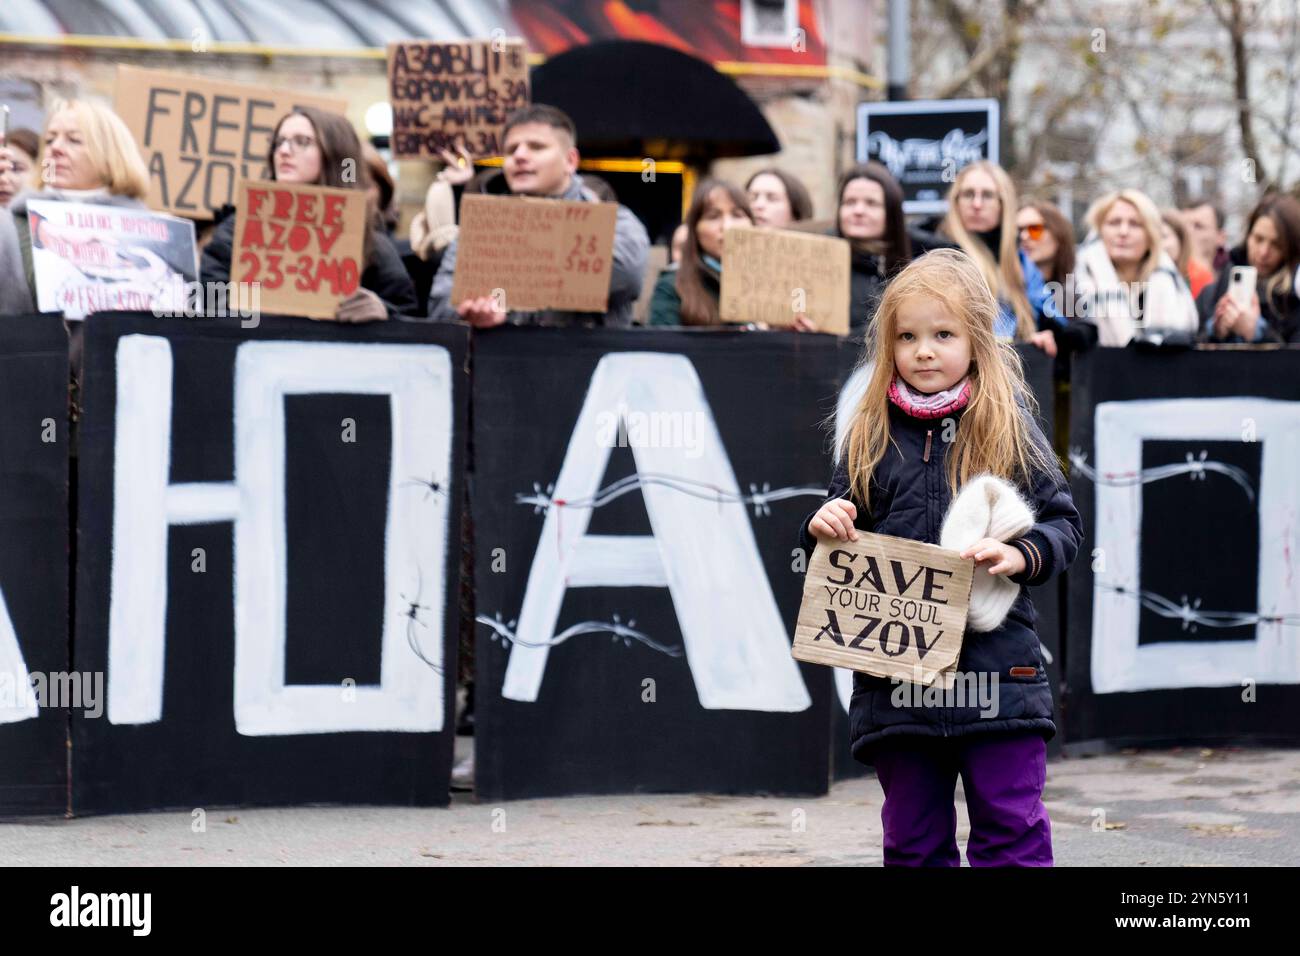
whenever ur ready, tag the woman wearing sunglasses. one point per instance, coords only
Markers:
(1047, 239)
(313, 146)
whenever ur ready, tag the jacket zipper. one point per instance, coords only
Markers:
(929, 437)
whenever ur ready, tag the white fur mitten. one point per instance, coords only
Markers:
(987, 507)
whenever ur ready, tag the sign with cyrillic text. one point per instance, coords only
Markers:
(529, 254)
(445, 93)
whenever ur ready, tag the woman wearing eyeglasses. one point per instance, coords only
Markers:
(981, 219)
(320, 148)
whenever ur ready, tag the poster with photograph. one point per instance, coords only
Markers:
(90, 258)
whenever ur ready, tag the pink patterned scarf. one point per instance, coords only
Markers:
(933, 405)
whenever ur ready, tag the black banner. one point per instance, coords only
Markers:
(268, 564)
(636, 501)
(1184, 604)
(37, 687)
(268, 533)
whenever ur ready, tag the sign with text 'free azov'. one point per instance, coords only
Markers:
(884, 606)
(199, 136)
(303, 244)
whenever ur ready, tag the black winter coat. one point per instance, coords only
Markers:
(866, 286)
(909, 499)
(384, 274)
(1281, 313)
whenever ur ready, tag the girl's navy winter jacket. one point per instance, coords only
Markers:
(909, 499)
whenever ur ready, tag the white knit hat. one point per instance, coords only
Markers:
(987, 507)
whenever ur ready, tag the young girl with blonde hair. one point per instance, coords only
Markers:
(947, 408)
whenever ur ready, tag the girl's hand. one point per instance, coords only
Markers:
(834, 520)
(1001, 558)
(803, 324)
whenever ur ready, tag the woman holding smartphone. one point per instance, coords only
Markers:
(1254, 299)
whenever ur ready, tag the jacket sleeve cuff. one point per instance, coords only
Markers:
(1037, 556)
(806, 540)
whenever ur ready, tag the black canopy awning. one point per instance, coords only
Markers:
(630, 98)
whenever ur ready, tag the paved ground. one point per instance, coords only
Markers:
(1185, 807)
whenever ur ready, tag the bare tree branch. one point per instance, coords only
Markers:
(974, 66)
(1241, 86)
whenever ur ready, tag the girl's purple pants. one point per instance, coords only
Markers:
(1003, 777)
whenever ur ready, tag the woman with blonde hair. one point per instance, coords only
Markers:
(89, 156)
(981, 219)
(1125, 282)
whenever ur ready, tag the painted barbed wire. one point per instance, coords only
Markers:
(1191, 615)
(760, 498)
(615, 628)
(412, 615)
(1196, 466)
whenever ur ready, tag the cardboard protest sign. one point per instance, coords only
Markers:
(302, 244)
(884, 606)
(771, 275)
(531, 254)
(88, 258)
(444, 92)
(200, 136)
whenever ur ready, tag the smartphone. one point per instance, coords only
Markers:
(1241, 285)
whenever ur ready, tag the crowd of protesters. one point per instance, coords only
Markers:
(1133, 271)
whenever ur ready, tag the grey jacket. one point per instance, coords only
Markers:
(15, 295)
(631, 246)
